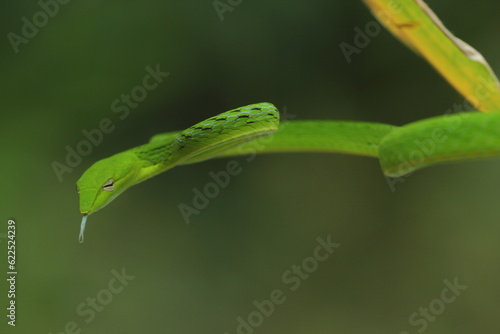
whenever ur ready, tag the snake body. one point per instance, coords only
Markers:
(256, 128)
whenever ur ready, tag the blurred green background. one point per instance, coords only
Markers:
(397, 247)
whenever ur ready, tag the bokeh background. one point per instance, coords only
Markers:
(397, 247)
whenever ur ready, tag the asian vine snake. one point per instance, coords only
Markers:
(401, 150)
(240, 131)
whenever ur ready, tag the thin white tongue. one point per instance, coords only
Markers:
(82, 228)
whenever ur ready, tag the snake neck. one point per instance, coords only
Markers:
(153, 158)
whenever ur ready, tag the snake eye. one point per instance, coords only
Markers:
(109, 185)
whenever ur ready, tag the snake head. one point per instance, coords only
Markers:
(105, 180)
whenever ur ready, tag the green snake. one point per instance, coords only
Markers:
(243, 131)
